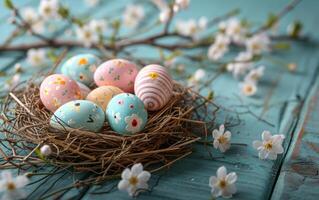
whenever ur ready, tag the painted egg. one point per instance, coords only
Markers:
(102, 95)
(126, 114)
(117, 72)
(78, 114)
(58, 89)
(154, 86)
(81, 68)
(85, 90)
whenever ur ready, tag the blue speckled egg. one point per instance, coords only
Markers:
(78, 114)
(126, 113)
(81, 68)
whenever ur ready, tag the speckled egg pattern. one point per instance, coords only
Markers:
(81, 68)
(154, 86)
(57, 89)
(102, 95)
(117, 72)
(79, 114)
(126, 114)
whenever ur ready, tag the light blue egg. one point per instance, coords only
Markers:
(81, 68)
(78, 114)
(126, 114)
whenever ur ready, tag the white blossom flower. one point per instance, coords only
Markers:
(133, 15)
(235, 30)
(87, 35)
(254, 75)
(36, 57)
(12, 186)
(258, 43)
(191, 27)
(33, 19)
(46, 150)
(202, 23)
(292, 67)
(49, 9)
(223, 184)
(98, 25)
(180, 5)
(221, 138)
(134, 180)
(270, 146)
(161, 4)
(164, 15)
(241, 65)
(219, 47)
(13, 82)
(92, 3)
(248, 88)
(197, 78)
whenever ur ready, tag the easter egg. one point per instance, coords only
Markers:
(102, 95)
(78, 114)
(154, 86)
(126, 114)
(117, 72)
(81, 68)
(85, 90)
(58, 89)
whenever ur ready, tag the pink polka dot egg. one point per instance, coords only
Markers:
(58, 89)
(117, 72)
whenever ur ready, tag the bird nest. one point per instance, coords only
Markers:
(167, 137)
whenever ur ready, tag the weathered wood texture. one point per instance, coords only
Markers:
(286, 103)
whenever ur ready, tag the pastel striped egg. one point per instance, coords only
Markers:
(154, 86)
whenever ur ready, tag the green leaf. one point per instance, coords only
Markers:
(39, 154)
(8, 4)
(282, 46)
(63, 12)
(210, 95)
(2, 74)
(295, 29)
(271, 21)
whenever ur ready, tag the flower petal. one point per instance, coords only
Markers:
(221, 172)
(6, 175)
(272, 156)
(222, 128)
(126, 174)
(222, 148)
(144, 176)
(21, 181)
(231, 178)
(123, 185)
(229, 191)
(263, 154)
(227, 135)
(257, 144)
(216, 134)
(137, 169)
(212, 181)
(215, 192)
(266, 135)
(216, 143)
(278, 149)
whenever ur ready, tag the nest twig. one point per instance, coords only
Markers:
(167, 137)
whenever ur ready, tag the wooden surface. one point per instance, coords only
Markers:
(286, 103)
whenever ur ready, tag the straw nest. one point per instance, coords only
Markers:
(167, 137)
